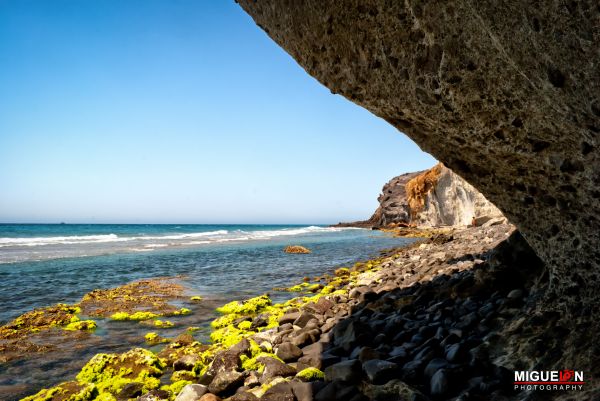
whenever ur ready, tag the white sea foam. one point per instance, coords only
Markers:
(40, 248)
(72, 239)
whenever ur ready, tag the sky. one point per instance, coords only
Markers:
(146, 111)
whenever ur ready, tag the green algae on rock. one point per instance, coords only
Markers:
(310, 374)
(111, 372)
(137, 299)
(68, 391)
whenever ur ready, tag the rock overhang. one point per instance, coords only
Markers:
(506, 94)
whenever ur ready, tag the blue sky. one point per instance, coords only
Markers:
(176, 111)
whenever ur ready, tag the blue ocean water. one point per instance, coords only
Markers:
(41, 265)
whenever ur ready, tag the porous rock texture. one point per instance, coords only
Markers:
(506, 94)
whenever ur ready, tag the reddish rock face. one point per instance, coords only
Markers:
(506, 94)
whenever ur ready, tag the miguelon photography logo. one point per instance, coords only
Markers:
(553, 380)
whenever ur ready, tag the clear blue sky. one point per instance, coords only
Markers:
(176, 111)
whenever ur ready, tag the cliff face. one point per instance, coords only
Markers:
(393, 203)
(451, 201)
(506, 94)
(436, 197)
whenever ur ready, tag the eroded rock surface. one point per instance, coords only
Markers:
(506, 94)
(432, 198)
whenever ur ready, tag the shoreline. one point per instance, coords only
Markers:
(319, 343)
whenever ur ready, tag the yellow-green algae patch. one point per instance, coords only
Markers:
(81, 325)
(134, 316)
(108, 373)
(310, 374)
(111, 372)
(134, 299)
(252, 305)
(68, 391)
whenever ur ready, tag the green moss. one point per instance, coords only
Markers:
(105, 397)
(135, 316)
(328, 289)
(68, 391)
(260, 391)
(303, 287)
(250, 306)
(245, 325)
(162, 324)
(81, 325)
(111, 372)
(266, 346)
(224, 321)
(182, 311)
(43, 395)
(180, 375)
(252, 363)
(229, 336)
(176, 387)
(310, 374)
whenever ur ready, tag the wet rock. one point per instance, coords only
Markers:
(225, 361)
(296, 249)
(243, 396)
(130, 390)
(279, 392)
(395, 390)
(328, 393)
(192, 392)
(276, 368)
(209, 397)
(303, 319)
(368, 353)
(288, 352)
(155, 395)
(515, 294)
(433, 366)
(252, 380)
(186, 362)
(455, 353)
(289, 317)
(411, 371)
(347, 335)
(302, 391)
(226, 382)
(379, 371)
(439, 384)
(346, 371)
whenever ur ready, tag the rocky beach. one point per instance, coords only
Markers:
(443, 319)
(450, 316)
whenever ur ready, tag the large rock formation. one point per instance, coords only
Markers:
(432, 198)
(506, 94)
(393, 207)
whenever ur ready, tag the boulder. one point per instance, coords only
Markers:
(296, 249)
(288, 352)
(192, 392)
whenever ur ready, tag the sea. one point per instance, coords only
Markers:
(44, 264)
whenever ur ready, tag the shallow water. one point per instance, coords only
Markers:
(249, 263)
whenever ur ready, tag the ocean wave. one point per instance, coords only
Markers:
(149, 242)
(72, 239)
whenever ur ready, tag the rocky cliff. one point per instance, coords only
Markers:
(431, 198)
(506, 94)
